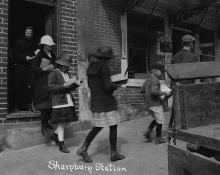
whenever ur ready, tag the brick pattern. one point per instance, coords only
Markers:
(130, 96)
(3, 57)
(68, 35)
(108, 29)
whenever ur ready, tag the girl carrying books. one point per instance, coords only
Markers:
(63, 111)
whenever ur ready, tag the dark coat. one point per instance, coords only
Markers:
(41, 93)
(184, 56)
(22, 49)
(150, 86)
(101, 87)
(55, 84)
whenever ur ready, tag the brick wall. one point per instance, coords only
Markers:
(68, 35)
(99, 23)
(108, 29)
(3, 57)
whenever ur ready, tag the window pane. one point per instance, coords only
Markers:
(207, 45)
(143, 43)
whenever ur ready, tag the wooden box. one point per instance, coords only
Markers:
(197, 118)
(183, 162)
(195, 104)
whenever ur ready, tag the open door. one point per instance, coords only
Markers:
(40, 14)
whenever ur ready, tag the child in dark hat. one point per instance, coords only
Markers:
(153, 93)
(63, 111)
(102, 103)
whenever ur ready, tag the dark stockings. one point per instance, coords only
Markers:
(45, 116)
(113, 137)
(91, 136)
(158, 128)
(95, 130)
(152, 125)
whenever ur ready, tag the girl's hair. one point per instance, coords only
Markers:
(29, 27)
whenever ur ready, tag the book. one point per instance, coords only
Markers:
(119, 79)
(44, 63)
(73, 82)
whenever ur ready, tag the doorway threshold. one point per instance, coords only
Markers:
(23, 116)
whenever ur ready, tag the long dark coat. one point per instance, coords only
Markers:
(23, 48)
(101, 87)
(41, 93)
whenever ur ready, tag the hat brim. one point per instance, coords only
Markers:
(51, 44)
(105, 56)
(63, 64)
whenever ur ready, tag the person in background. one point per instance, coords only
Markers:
(185, 55)
(103, 105)
(24, 53)
(63, 111)
(153, 94)
(41, 66)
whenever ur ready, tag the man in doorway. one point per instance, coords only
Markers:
(185, 55)
(24, 53)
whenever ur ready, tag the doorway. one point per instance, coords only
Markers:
(22, 13)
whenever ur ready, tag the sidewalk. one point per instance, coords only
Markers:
(141, 158)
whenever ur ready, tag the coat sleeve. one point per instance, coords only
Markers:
(52, 83)
(35, 66)
(18, 52)
(108, 85)
(155, 87)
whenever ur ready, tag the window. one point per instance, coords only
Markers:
(206, 45)
(144, 40)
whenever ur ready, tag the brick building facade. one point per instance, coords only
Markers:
(62, 26)
(79, 27)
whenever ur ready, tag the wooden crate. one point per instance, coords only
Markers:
(183, 162)
(197, 118)
(195, 104)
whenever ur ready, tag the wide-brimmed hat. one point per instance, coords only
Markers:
(47, 40)
(64, 60)
(157, 66)
(104, 52)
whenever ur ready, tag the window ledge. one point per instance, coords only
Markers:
(135, 82)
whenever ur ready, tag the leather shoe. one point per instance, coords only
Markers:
(159, 140)
(83, 153)
(63, 148)
(54, 137)
(115, 157)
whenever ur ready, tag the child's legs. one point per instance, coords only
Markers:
(159, 118)
(60, 131)
(113, 137)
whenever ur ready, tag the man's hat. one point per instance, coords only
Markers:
(188, 38)
(64, 61)
(158, 67)
(104, 52)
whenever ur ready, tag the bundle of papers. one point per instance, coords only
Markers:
(164, 88)
(44, 63)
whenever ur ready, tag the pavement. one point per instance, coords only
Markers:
(142, 158)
